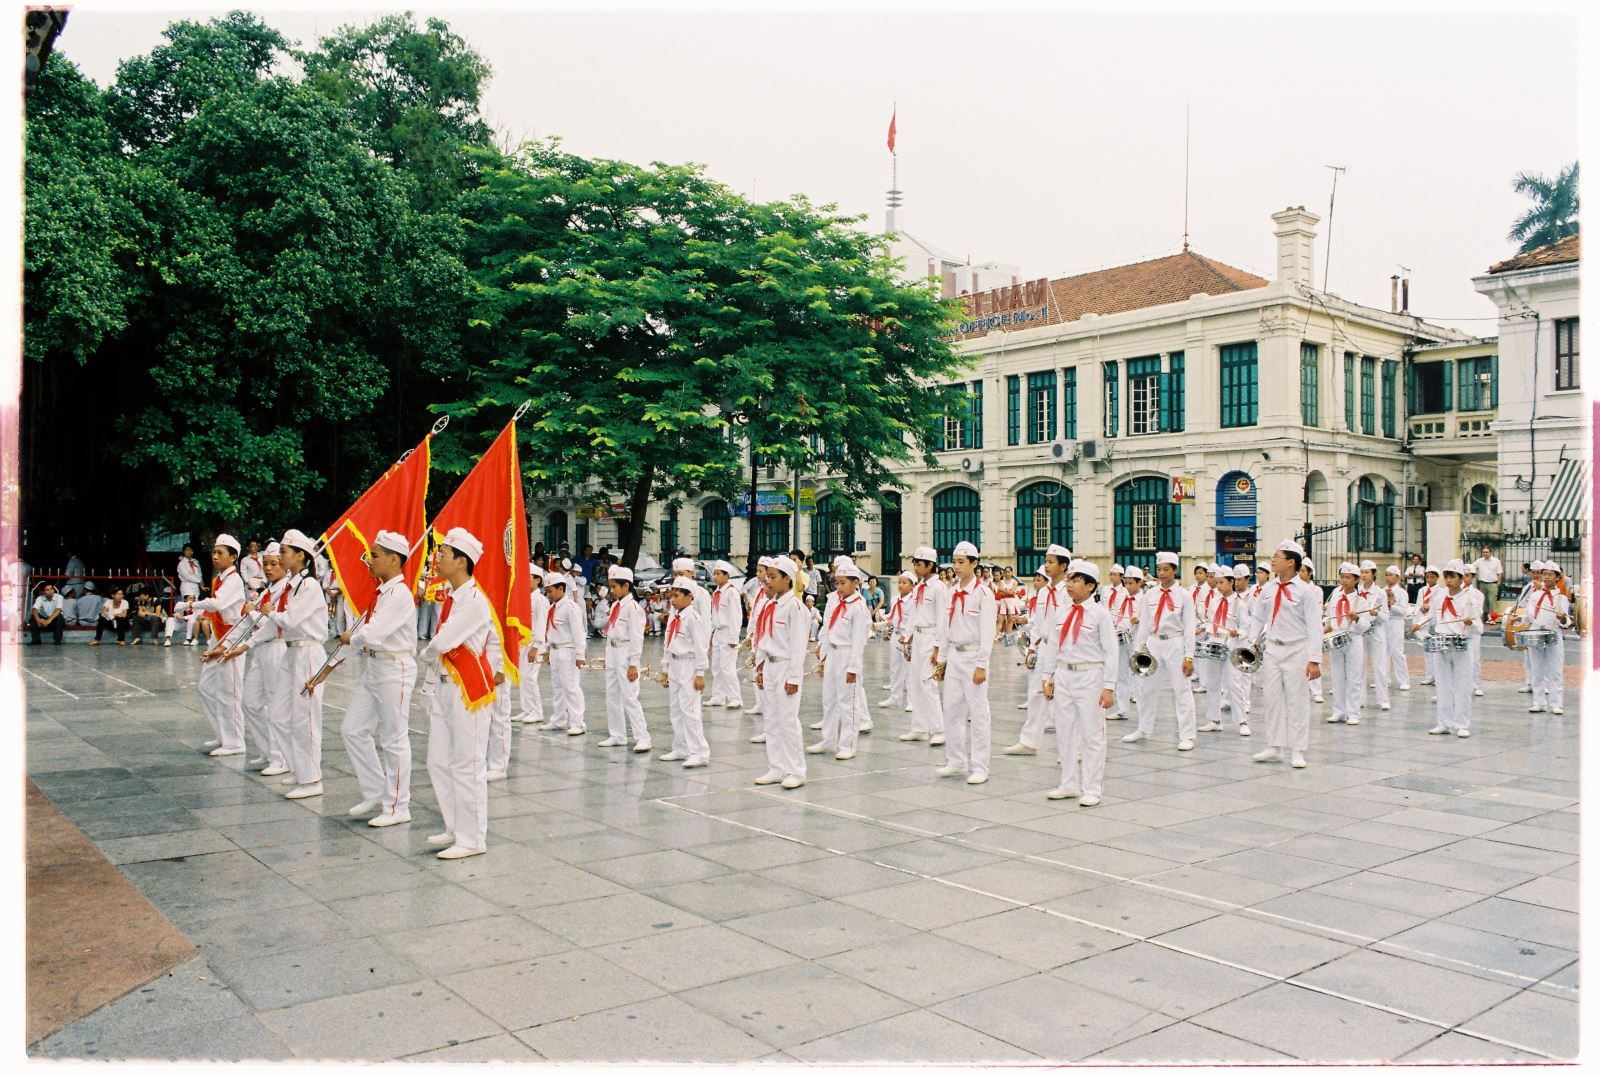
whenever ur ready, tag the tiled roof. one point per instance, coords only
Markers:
(1172, 279)
(1557, 253)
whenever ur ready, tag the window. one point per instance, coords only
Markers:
(669, 532)
(714, 525)
(966, 430)
(1308, 384)
(773, 534)
(1372, 519)
(1239, 388)
(889, 535)
(1069, 404)
(1144, 395)
(1431, 384)
(1041, 407)
(1172, 419)
(1369, 396)
(1110, 398)
(831, 532)
(956, 519)
(1482, 501)
(1391, 377)
(1566, 354)
(1144, 520)
(555, 530)
(1350, 390)
(1477, 384)
(1013, 410)
(1043, 517)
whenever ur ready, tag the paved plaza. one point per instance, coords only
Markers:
(1405, 897)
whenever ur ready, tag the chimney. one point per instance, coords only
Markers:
(1394, 294)
(1405, 296)
(1296, 233)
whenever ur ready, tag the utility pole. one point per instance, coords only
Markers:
(1327, 259)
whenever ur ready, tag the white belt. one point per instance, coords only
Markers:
(1085, 666)
(561, 646)
(966, 648)
(301, 642)
(388, 655)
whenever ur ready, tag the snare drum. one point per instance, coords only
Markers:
(1338, 640)
(1211, 651)
(1439, 644)
(1125, 634)
(1537, 637)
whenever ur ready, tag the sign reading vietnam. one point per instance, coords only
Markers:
(1005, 308)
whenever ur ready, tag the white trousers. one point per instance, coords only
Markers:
(842, 711)
(376, 730)
(1241, 683)
(683, 708)
(622, 702)
(1475, 652)
(1285, 701)
(1127, 686)
(899, 669)
(528, 692)
(725, 686)
(566, 689)
(280, 701)
(255, 697)
(1080, 730)
(304, 746)
(966, 707)
(1454, 705)
(1431, 665)
(1169, 669)
(780, 714)
(1375, 643)
(1395, 642)
(1348, 677)
(221, 684)
(1547, 674)
(457, 741)
(1040, 712)
(497, 751)
(1218, 679)
(927, 708)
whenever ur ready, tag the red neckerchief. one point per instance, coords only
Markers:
(1448, 607)
(764, 620)
(611, 620)
(549, 617)
(283, 601)
(1073, 623)
(838, 607)
(956, 595)
(1222, 614)
(896, 612)
(1342, 610)
(716, 599)
(1049, 597)
(1164, 603)
(1539, 604)
(1210, 593)
(1277, 599)
(444, 606)
(1127, 603)
(920, 588)
(672, 630)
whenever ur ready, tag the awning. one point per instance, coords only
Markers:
(1565, 513)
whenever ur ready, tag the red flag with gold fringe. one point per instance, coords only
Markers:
(395, 502)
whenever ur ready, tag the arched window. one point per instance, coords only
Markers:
(831, 532)
(889, 535)
(1043, 517)
(1146, 521)
(1372, 516)
(669, 533)
(956, 518)
(714, 530)
(1482, 501)
(555, 530)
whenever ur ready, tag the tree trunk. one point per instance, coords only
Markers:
(638, 508)
(752, 554)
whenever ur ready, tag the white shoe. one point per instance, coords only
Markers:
(977, 779)
(612, 741)
(1427, 681)
(211, 743)
(910, 736)
(819, 748)
(457, 851)
(910, 709)
(1438, 730)
(816, 726)
(1089, 801)
(167, 643)
(525, 718)
(496, 775)
(274, 771)
(759, 737)
(576, 732)
(752, 710)
(793, 782)
(1049, 728)
(1318, 698)
(1536, 709)
(1185, 745)
(1525, 689)
(864, 728)
(884, 704)
(222, 752)
(365, 807)
(1061, 794)
(1020, 749)
(1022, 705)
(1210, 726)
(1244, 729)
(1477, 692)
(1269, 755)
(289, 780)
(844, 756)
(734, 704)
(771, 777)
(642, 747)
(1405, 687)
(936, 740)
(304, 792)
(1383, 706)
(693, 763)
(442, 840)
(1298, 761)
(673, 756)
(1463, 733)
(389, 820)
(1355, 719)
(1557, 710)
(947, 771)
(1116, 717)
(1133, 737)
(258, 761)
(1331, 718)
(551, 726)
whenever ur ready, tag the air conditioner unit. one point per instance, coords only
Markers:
(971, 465)
(1064, 451)
(1417, 497)
(1090, 450)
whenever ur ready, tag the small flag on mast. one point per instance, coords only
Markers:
(892, 116)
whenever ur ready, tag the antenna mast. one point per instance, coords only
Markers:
(1186, 178)
(1327, 258)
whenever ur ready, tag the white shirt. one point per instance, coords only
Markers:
(255, 576)
(468, 624)
(228, 601)
(1176, 610)
(1402, 601)
(307, 615)
(264, 630)
(1343, 611)
(1489, 569)
(1293, 621)
(1092, 640)
(538, 613)
(784, 644)
(565, 628)
(1446, 606)
(928, 599)
(690, 638)
(189, 571)
(391, 624)
(968, 621)
(1547, 607)
(847, 637)
(113, 609)
(625, 632)
(727, 614)
(1224, 617)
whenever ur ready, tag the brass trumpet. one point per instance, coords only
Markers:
(1029, 658)
(1247, 658)
(938, 672)
(1141, 662)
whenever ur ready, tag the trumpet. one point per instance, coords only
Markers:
(659, 677)
(1247, 658)
(1141, 662)
(816, 670)
(938, 672)
(1029, 658)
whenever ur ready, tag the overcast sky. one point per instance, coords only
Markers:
(1053, 140)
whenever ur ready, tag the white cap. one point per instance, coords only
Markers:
(723, 567)
(1393, 569)
(272, 550)
(1241, 571)
(230, 541)
(1263, 568)
(1133, 571)
(460, 539)
(1084, 567)
(1040, 574)
(617, 573)
(1056, 551)
(556, 579)
(683, 584)
(1552, 566)
(909, 576)
(1116, 569)
(787, 566)
(1431, 568)
(1469, 568)
(965, 549)
(1368, 566)
(1347, 568)
(763, 562)
(927, 553)
(682, 564)
(1455, 566)
(848, 570)
(841, 560)
(1291, 546)
(1167, 558)
(89, 585)
(291, 537)
(534, 571)
(393, 542)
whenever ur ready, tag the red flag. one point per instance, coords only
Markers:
(488, 503)
(395, 502)
(892, 116)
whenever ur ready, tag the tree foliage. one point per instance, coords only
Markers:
(1554, 213)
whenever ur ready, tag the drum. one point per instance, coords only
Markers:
(1439, 644)
(1125, 634)
(1211, 651)
(1537, 637)
(1338, 640)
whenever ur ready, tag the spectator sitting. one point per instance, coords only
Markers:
(113, 613)
(49, 614)
(73, 585)
(148, 616)
(86, 609)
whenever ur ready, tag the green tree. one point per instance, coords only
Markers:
(662, 325)
(1554, 213)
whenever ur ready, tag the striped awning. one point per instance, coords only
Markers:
(1565, 513)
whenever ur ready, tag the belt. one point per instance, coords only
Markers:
(1287, 642)
(1080, 666)
(966, 648)
(1166, 635)
(561, 646)
(301, 642)
(391, 655)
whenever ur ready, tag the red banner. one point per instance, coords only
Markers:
(395, 502)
